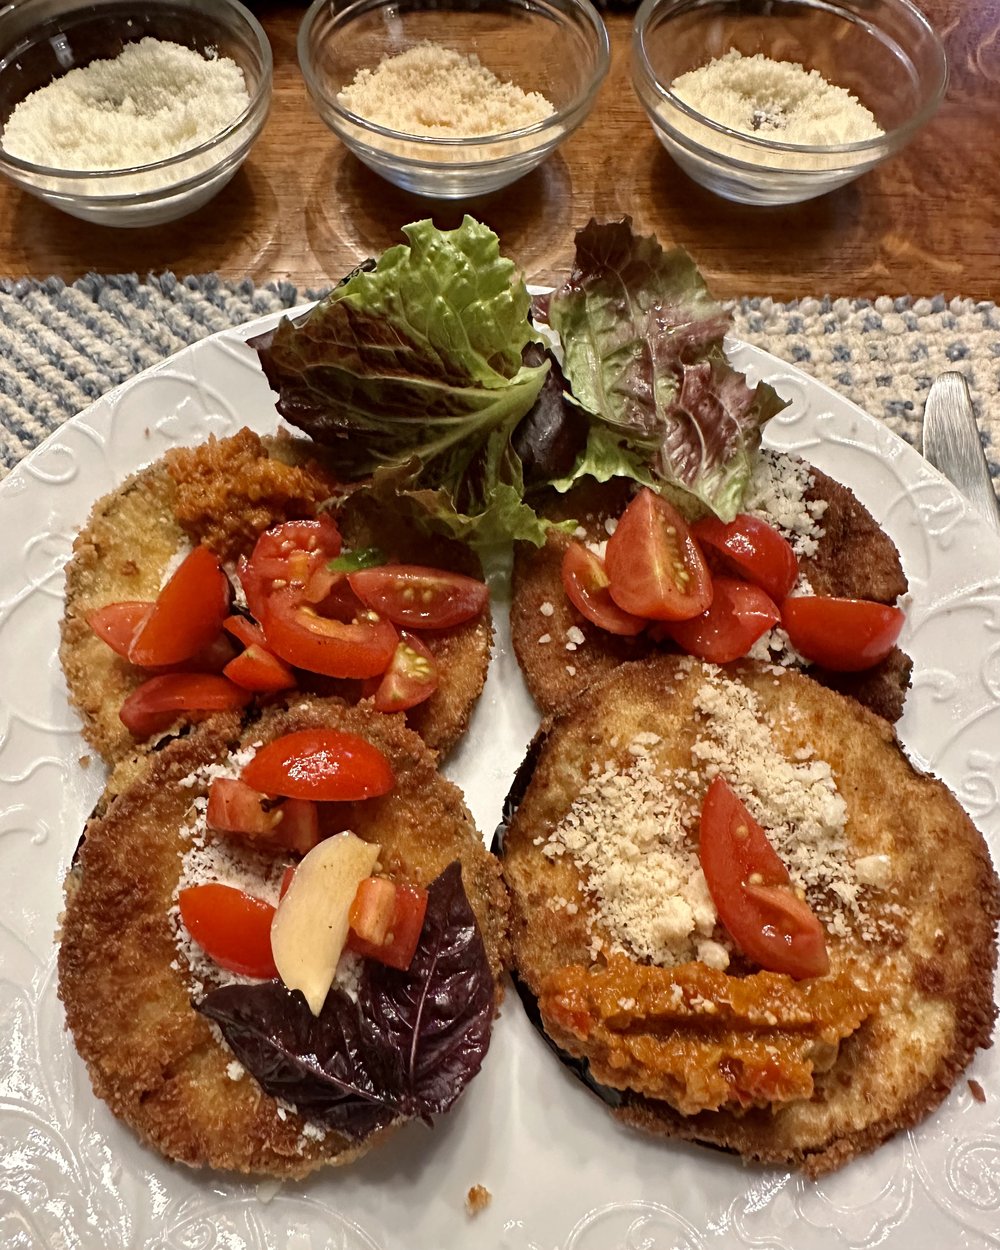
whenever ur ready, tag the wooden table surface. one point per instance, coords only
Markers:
(304, 210)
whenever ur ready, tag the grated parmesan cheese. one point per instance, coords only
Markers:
(779, 100)
(438, 92)
(154, 100)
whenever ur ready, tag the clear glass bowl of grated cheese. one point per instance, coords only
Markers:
(772, 103)
(453, 98)
(129, 112)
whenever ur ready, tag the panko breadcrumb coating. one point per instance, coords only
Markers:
(924, 968)
(126, 989)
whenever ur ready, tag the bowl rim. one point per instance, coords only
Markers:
(581, 102)
(889, 138)
(261, 95)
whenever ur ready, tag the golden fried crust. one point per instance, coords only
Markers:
(133, 534)
(854, 559)
(933, 981)
(151, 1057)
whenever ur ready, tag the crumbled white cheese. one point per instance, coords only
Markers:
(576, 635)
(235, 1070)
(546, 608)
(626, 832)
(544, 640)
(874, 870)
(776, 493)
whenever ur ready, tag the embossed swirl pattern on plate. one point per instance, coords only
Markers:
(562, 1175)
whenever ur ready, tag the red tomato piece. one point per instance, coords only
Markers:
(752, 892)
(187, 615)
(846, 635)
(655, 567)
(412, 676)
(419, 597)
(235, 807)
(161, 700)
(258, 670)
(290, 553)
(739, 615)
(588, 589)
(321, 764)
(245, 631)
(231, 927)
(300, 636)
(752, 549)
(213, 658)
(117, 623)
(298, 826)
(372, 910)
(253, 588)
(286, 881)
(399, 941)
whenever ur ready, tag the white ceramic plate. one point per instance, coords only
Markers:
(563, 1174)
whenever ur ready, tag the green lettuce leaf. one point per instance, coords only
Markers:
(412, 371)
(643, 353)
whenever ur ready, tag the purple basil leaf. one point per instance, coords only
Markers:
(438, 1014)
(332, 1067)
(408, 1047)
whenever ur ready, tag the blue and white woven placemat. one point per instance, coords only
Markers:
(62, 346)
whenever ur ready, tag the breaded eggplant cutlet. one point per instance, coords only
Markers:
(618, 892)
(128, 976)
(224, 494)
(841, 551)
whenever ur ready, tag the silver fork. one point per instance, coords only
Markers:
(951, 443)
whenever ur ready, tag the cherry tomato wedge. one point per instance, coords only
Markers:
(386, 923)
(231, 927)
(418, 597)
(258, 670)
(290, 553)
(322, 764)
(753, 550)
(187, 615)
(235, 807)
(846, 635)
(160, 701)
(589, 591)
(739, 615)
(300, 636)
(752, 892)
(655, 567)
(116, 623)
(412, 676)
(245, 631)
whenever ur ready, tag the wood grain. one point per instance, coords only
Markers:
(303, 209)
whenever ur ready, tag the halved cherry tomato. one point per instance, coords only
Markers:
(116, 623)
(322, 764)
(752, 891)
(655, 567)
(157, 703)
(739, 615)
(300, 636)
(187, 615)
(245, 631)
(846, 635)
(290, 553)
(588, 589)
(752, 549)
(386, 923)
(412, 676)
(258, 670)
(286, 881)
(254, 588)
(419, 597)
(231, 927)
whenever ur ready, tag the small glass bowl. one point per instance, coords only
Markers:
(556, 47)
(42, 39)
(883, 51)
